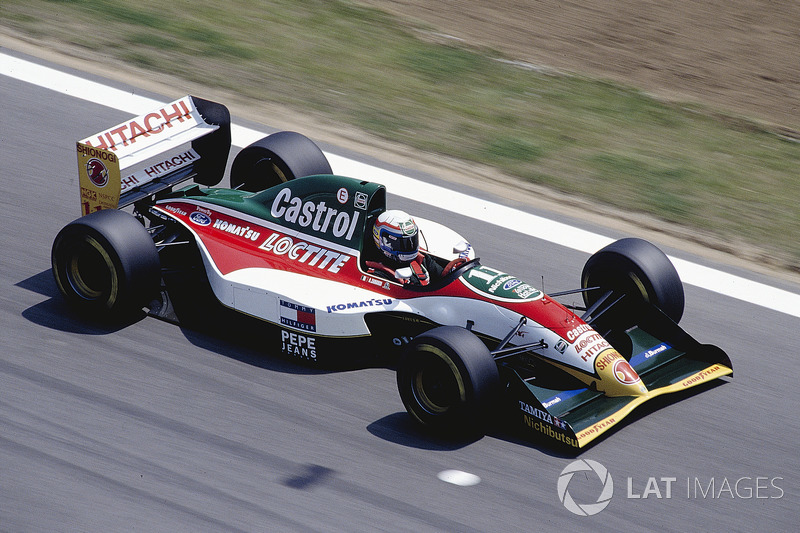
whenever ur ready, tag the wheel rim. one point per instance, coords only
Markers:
(436, 383)
(265, 174)
(631, 284)
(90, 271)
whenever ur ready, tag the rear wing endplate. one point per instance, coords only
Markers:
(189, 138)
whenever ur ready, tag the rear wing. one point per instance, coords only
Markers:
(189, 138)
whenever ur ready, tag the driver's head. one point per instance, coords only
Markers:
(397, 236)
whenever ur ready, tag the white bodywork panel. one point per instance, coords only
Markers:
(154, 143)
(338, 309)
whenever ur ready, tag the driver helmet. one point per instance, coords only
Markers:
(397, 236)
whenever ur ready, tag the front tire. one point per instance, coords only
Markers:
(448, 381)
(275, 159)
(640, 271)
(106, 264)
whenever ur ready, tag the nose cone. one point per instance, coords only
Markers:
(617, 376)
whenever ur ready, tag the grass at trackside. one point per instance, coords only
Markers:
(358, 66)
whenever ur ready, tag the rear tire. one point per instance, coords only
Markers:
(448, 381)
(106, 264)
(639, 270)
(277, 159)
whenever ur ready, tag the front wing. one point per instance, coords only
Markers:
(666, 358)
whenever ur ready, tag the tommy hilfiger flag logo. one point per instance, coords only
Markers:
(298, 316)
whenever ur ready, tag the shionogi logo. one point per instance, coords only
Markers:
(97, 172)
(624, 373)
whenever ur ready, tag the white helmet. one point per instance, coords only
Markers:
(397, 236)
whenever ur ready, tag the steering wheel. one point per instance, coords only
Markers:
(454, 264)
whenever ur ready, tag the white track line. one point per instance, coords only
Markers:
(398, 184)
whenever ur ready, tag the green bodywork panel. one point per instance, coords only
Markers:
(334, 208)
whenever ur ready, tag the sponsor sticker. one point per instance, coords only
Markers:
(305, 252)
(361, 200)
(375, 302)
(376, 281)
(239, 230)
(314, 215)
(498, 285)
(201, 219)
(167, 165)
(647, 354)
(175, 209)
(298, 316)
(172, 117)
(624, 373)
(297, 345)
(98, 177)
(542, 415)
(97, 172)
(560, 397)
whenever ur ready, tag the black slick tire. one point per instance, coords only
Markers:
(106, 264)
(448, 381)
(275, 159)
(638, 269)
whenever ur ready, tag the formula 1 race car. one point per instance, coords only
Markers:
(291, 245)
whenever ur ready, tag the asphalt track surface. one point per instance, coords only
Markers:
(152, 427)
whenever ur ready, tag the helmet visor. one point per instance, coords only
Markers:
(402, 243)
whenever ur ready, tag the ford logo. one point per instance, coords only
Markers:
(201, 219)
